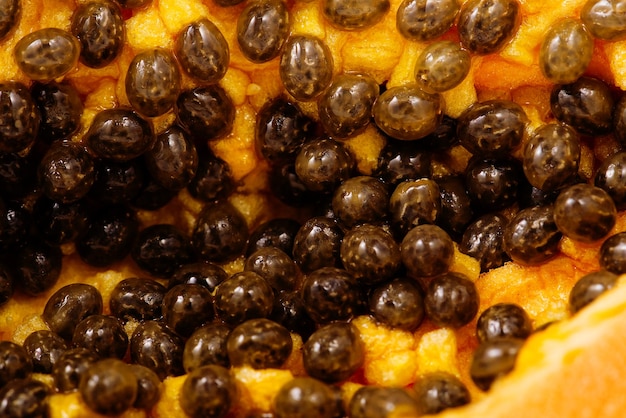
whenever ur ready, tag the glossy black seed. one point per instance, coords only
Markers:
(227, 3)
(551, 156)
(566, 51)
(202, 51)
(7, 286)
(220, 233)
(584, 212)
(15, 363)
(304, 397)
(426, 251)
(119, 135)
(25, 398)
(345, 108)
(99, 27)
(213, 179)
(503, 320)
(484, 239)
(442, 66)
(187, 307)
(278, 232)
(586, 105)
(532, 237)
(494, 359)
(207, 345)
(47, 53)
(438, 391)
(206, 112)
(19, 117)
(398, 304)
(36, 267)
(370, 253)
(317, 244)
(532, 196)
(605, 19)
(243, 296)
(66, 172)
(44, 348)
(153, 196)
(262, 29)
(589, 287)
(613, 254)
(102, 334)
(486, 26)
(148, 387)
(281, 129)
(118, 182)
(494, 127)
(330, 294)
(361, 199)
(15, 218)
(407, 112)
(611, 175)
(399, 161)
(69, 368)
(156, 347)
(4, 218)
(203, 273)
(59, 223)
(153, 82)
(69, 305)
(354, 15)
(619, 121)
(451, 300)
(322, 164)
(290, 311)
(323, 207)
(413, 203)
(381, 402)
(109, 237)
(306, 66)
(108, 387)
(161, 249)
(442, 138)
(137, 299)
(493, 184)
(423, 20)
(259, 343)
(18, 174)
(276, 267)
(173, 160)
(134, 4)
(208, 392)
(10, 13)
(333, 353)
(60, 107)
(287, 187)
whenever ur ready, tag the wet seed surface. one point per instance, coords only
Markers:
(255, 190)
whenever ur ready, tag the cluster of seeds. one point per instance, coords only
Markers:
(379, 244)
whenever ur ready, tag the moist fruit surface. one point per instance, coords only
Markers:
(392, 207)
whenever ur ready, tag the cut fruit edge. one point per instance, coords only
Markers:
(575, 368)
